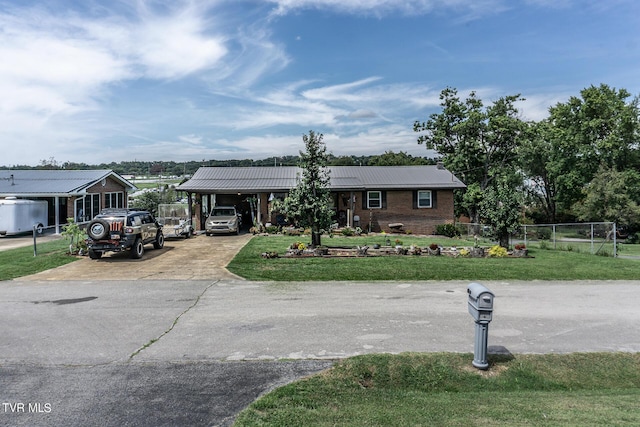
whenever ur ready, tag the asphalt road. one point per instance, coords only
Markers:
(195, 352)
(175, 339)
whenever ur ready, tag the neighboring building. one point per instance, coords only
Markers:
(77, 194)
(372, 197)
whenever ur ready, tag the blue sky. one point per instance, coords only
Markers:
(101, 81)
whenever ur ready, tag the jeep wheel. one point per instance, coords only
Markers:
(95, 254)
(98, 229)
(137, 250)
(159, 243)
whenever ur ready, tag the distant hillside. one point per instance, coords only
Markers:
(188, 168)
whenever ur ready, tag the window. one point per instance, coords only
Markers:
(114, 200)
(424, 199)
(374, 199)
(87, 207)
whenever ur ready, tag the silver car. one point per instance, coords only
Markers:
(223, 219)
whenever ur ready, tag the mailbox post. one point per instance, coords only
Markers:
(480, 305)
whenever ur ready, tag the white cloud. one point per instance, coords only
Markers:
(467, 9)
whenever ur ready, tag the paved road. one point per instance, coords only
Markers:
(175, 339)
(168, 352)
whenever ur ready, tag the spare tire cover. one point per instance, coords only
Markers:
(98, 229)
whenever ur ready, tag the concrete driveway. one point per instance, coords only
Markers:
(197, 258)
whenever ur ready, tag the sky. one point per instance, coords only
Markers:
(99, 81)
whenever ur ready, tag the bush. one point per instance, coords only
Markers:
(272, 229)
(543, 233)
(497, 251)
(448, 230)
(348, 231)
(76, 235)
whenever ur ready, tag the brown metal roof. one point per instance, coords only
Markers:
(283, 178)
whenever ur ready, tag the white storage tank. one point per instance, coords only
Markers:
(20, 215)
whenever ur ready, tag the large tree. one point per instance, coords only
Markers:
(611, 196)
(309, 202)
(477, 143)
(600, 127)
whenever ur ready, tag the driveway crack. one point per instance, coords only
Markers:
(175, 322)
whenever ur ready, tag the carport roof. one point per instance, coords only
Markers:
(283, 178)
(46, 183)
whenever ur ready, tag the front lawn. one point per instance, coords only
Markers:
(580, 389)
(21, 262)
(545, 264)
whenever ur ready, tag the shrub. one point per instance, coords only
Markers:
(272, 229)
(464, 252)
(520, 246)
(292, 232)
(76, 235)
(299, 246)
(348, 231)
(543, 233)
(497, 251)
(448, 230)
(433, 246)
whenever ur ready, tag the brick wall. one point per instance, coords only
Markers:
(399, 208)
(111, 186)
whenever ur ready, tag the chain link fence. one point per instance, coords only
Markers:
(599, 238)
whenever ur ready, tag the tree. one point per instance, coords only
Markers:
(501, 207)
(389, 158)
(540, 160)
(597, 128)
(308, 203)
(478, 144)
(611, 196)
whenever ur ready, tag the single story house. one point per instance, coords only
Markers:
(77, 194)
(376, 198)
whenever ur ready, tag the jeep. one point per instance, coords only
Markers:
(118, 230)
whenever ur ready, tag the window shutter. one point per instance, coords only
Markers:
(384, 200)
(433, 199)
(415, 199)
(364, 201)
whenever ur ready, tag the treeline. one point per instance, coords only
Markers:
(172, 168)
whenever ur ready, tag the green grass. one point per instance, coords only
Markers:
(21, 262)
(545, 264)
(580, 389)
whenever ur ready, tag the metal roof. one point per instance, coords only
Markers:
(43, 183)
(283, 178)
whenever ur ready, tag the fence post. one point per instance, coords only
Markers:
(615, 246)
(35, 247)
(591, 238)
(525, 236)
(554, 236)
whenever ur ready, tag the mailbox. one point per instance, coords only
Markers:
(480, 303)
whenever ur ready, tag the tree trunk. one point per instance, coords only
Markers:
(315, 239)
(504, 239)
